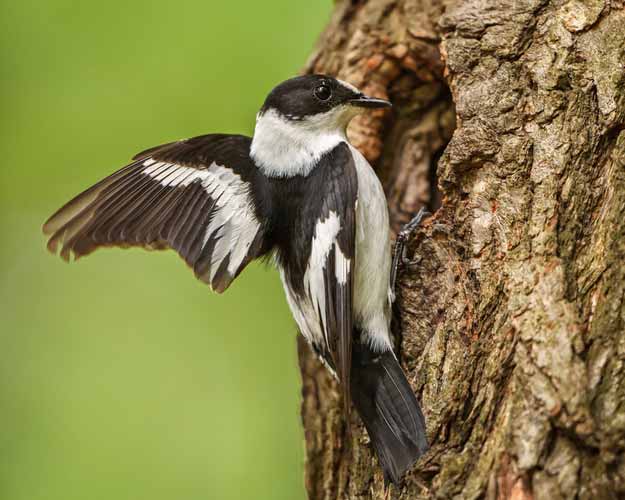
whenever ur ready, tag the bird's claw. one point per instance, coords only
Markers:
(399, 252)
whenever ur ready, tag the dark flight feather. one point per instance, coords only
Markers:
(171, 206)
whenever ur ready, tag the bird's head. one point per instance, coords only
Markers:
(302, 118)
(318, 101)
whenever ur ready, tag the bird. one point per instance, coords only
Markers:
(298, 193)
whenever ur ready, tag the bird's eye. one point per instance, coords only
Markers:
(323, 92)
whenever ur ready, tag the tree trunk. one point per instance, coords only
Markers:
(512, 316)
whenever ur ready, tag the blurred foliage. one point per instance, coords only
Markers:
(121, 376)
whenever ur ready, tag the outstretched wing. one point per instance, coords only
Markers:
(194, 196)
(329, 275)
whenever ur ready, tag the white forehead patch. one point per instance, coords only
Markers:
(348, 86)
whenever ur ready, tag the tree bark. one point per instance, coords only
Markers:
(511, 320)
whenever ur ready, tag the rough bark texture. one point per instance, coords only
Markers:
(512, 319)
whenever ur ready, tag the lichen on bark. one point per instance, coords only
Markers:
(512, 318)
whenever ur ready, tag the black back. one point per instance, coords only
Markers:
(300, 202)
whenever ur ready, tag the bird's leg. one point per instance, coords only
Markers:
(399, 252)
(387, 491)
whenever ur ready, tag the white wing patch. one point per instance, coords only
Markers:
(303, 313)
(162, 172)
(234, 225)
(341, 266)
(325, 237)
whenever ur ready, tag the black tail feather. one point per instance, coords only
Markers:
(389, 410)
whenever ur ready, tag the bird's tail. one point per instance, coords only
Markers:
(389, 410)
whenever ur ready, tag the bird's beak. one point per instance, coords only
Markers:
(364, 101)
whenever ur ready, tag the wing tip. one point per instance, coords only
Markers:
(46, 227)
(218, 283)
(66, 246)
(52, 224)
(54, 241)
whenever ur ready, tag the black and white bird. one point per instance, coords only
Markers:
(297, 191)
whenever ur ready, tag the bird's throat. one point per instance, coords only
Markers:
(284, 147)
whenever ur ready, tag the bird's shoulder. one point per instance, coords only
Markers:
(337, 167)
(229, 150)
(334, 161)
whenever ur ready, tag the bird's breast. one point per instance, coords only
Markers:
(373, 247)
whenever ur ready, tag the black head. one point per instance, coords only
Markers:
(308, 95)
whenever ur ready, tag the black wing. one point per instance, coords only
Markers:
(194, 196)
(329, 276)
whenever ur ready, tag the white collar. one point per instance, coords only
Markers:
(284, 148)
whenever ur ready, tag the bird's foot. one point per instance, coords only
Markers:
(399, 252)
(387, 492)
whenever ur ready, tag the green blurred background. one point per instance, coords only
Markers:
(121, 376)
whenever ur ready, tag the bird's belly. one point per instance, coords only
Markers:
(373, 257)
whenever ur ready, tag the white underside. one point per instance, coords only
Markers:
(372, 270)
